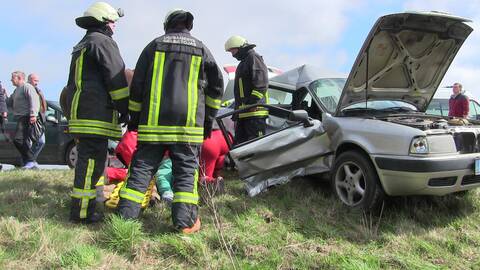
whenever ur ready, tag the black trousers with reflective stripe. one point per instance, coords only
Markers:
(92, 154)
(145, 163)
(249, 128)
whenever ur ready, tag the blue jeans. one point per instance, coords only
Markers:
(38, 146)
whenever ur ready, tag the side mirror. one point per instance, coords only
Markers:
(52, 119)
(301, 116)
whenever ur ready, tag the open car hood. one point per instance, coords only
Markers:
(407, 56)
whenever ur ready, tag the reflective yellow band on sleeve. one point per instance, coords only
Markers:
(79, 193)
(131, 195)
(262, 113)
(257, 94)
(213, 103)
(134, 106)
(119, 94)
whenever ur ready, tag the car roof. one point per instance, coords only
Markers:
(298, 77)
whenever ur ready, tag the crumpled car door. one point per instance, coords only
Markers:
(297, 150)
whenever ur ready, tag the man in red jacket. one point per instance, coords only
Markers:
(458, 103)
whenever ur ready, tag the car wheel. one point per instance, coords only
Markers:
(355, 181)
(71, 155)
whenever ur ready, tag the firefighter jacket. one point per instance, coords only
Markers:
(251, 83)
(176, 89)
(97, 89)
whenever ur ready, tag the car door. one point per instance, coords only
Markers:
(299, 146)
(8, 152)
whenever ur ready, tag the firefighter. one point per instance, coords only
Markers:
(176, 91)
(251, 83)
(96, 93)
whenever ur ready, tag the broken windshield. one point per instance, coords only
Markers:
(328, 91)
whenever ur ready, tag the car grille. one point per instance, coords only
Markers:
(442, 181)
(470, 179)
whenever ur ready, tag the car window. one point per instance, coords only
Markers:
(279, 97)
(472, 114)
(474, 110)
(328, 91)
(435, 108)
(50, 112)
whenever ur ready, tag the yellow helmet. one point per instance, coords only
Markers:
(235, 42)
(99, 12)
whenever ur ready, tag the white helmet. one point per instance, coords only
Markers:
(99, 12)
(235, 42)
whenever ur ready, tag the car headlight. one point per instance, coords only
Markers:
(419, 146)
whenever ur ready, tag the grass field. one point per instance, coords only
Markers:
(296, 226)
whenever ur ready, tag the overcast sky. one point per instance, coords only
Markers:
(38, 36)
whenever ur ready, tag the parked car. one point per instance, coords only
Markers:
(370, 132)
(439, 104)
(59, 147)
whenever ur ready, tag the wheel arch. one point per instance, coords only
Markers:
(352, 146)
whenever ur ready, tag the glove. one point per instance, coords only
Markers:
(132, 127)
(133, 122)
(123, 118)
(207, 129)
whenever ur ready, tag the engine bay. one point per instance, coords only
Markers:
(465, 134)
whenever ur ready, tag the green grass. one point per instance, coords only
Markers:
(296, 226)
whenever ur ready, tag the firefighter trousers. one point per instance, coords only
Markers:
(249, 128)
(92, 154)
(145, 163)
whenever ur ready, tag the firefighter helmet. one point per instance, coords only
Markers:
(177, 15)
(99, 12)
(235, 42)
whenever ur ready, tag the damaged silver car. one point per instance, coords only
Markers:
(369, 132)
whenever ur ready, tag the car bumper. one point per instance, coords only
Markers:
(427, 175)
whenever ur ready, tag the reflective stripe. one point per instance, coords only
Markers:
(86, 186)
(119, 94)
(79, 193)
(187, 197)
(181, 138)
(114, 118)
(213, 103)
(156, 89)
(134, 106)
(257, 94)
(94, 123)
(240, 86)
(132, 195)
(78, 84)
(193, 90)
(89, 126)
(253, 114)
(170, 129)
(94, 131)
(266, 97)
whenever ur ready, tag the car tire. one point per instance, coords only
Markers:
(71, 155)
(355, 181)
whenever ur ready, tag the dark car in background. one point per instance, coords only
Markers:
(59, 147)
